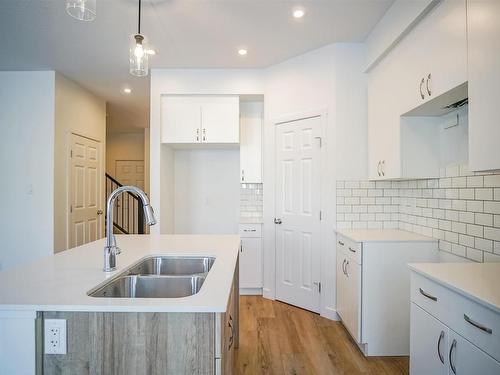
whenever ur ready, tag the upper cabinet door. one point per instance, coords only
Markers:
(180, 119)
(251, 142)
(383, 121)
(484, 82)
(434, 54)
(220, 119)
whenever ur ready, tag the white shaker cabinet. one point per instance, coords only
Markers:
(428, 62)
(251, 142)
(220, 119)
(180, 119)
(194, 119)
(349, 292)
(373, 290)
(450, 333)
(251, 278)
(434, 54)
(484, 83)
(429, 341)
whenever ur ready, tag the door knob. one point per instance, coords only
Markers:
(99, 212)
(277, 221)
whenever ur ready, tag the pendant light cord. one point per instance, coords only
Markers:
(139, 22)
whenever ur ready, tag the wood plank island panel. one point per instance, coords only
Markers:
(134, 343)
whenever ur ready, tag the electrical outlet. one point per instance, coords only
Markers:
(55, 336)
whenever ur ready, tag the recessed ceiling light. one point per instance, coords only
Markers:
(242, 51)
(298, 13)
(127, 90)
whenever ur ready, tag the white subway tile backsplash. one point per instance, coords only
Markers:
(492, 207)
(475, 230)
(484, 194)
(492, 233)
(492, 181)
(484, 219)
(475, 181)
(461, 209)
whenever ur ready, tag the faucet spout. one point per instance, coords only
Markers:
(111, 250)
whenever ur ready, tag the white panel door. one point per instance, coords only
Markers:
(180, 119)
(130, 172)
(483, 34)
(298, 208)
(251, 263)
(220, 119)
(84, 189)
(465, 358)
(251, 142)
(428, 344)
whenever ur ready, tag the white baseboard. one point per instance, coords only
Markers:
(330, 313)
(250, 291)
(269, 294)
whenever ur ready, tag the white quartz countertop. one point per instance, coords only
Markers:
(477, 281)
(383, 235)
(60, 282)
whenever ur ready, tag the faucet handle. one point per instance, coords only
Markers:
(118, 250)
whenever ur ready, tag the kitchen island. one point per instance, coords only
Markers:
(193, 334)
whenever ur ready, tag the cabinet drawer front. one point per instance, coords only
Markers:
(478, 324)
(464, 316)
(349, 247)
(251, 230)
(431, 297)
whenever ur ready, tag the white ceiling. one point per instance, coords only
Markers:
(38, 34)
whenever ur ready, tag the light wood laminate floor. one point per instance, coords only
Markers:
(276, 338)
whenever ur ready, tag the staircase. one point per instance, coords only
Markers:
(128, 214)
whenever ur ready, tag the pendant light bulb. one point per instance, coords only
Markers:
(139, 63)
(83, 10)
(139, 59)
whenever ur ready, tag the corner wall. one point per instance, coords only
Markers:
(80, 112)
(27, 154)
(328, 79)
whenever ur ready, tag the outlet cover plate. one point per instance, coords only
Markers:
(54, 336)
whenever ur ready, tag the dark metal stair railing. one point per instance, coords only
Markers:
(128, 215)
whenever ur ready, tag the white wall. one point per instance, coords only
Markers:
(329, 79)
(185, 81)
(79, 112)
(27, 156)
(207, 191)
(123, 146)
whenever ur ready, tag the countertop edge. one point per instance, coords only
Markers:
(465, 293)
(422, 239)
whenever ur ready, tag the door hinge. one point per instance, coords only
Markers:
(320, 141)
(71, 209)
(71, 153)
(319, 287)
(320, 215)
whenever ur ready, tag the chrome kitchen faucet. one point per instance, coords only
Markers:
(111, 250)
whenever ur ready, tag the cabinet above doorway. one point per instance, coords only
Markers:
(200, 119)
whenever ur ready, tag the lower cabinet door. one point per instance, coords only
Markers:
(349, 294)
(465, 358)
(251, 263)
(428, 344)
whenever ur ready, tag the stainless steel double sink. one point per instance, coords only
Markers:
(158, 277)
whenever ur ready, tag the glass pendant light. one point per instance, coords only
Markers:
(83, 10)
(139, 60)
